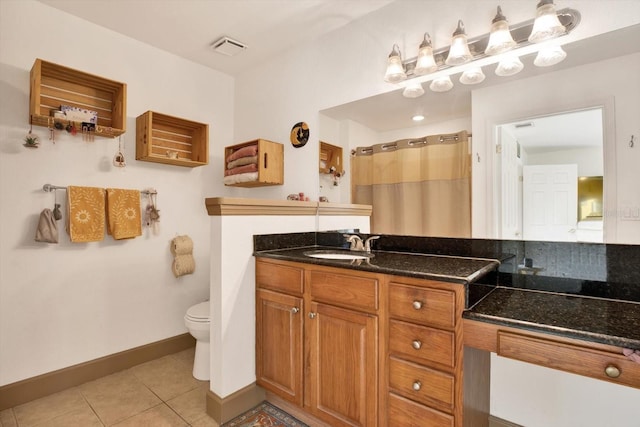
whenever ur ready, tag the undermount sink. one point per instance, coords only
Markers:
(338, 255)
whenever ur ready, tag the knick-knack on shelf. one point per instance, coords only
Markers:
(31, 140)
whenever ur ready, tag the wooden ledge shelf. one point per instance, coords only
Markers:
(219, 206)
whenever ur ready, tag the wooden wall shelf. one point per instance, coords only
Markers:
(170, 140)
(330, 156)
(53, 85)
(270, 163)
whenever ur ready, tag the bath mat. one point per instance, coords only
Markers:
(265, 415)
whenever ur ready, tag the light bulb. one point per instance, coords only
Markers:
(459, 49)
(425, 63)
(413, 90)
(395, 70)
(549, 56)
(509, 66)
(500, 39)
(472, 76)
(546, 25)
(441, 84)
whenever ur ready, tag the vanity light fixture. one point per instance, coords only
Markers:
(503, 45)
(459, 50)
(413, 90)
(547, 25)
(425, 63)
(395, 69)
(500, 39)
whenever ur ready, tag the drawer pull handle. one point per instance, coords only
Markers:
(417, 305)
(295, 310)
(416, 344)
(312, 315)
(612, 371)
(417, 385)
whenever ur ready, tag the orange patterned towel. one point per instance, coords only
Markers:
(123, 213)
(85, 218)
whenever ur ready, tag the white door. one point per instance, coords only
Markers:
(510, 184)
(550, 202)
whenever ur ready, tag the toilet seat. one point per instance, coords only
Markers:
(198, 312)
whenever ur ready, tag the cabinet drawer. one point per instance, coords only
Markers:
(282, 278)
(571, 358)
(433, 307)
(422, 344)
(427, 386)
(345, 290)
(405, 413)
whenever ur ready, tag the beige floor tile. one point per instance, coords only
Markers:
(190, 405)
(158, 416)
(186, 356)
(49, 407)
(166, 377)
(7, 419)
(205, 421)
(118, 397)
(84, 417)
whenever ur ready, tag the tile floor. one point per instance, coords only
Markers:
(158, 393)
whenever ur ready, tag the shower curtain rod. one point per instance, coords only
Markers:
(49, 188)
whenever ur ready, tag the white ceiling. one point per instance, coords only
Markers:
(187, 28)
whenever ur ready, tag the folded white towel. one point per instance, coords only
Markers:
(241, 177)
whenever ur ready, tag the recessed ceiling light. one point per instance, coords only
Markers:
(417, 118)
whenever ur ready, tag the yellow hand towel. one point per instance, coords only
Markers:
(85, 218)
(123, 213)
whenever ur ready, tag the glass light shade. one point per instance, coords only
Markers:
(500, 39)
(546, 25)
(441, 84)
(425, 63)
(509, 66)
(413, 90)
(459, 49)
(549, 56)
(395, 70)
(472, 76)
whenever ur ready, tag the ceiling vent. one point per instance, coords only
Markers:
(524, 125)
(227, 46)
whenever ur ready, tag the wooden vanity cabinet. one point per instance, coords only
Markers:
(425, 353)
(377, 350)
(279, 333)
(335, 337)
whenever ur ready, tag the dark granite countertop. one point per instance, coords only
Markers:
(592, 319)
(454, 269)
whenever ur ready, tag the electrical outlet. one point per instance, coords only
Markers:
(630, 213)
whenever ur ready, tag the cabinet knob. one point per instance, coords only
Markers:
(295, 310)
(417, 305)
(416, 344)
(417, 385)
(612, 371)
(312, 315)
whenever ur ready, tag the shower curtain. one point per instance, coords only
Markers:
(417, 187)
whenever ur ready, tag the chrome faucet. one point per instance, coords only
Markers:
(367, 243)
(355, 241)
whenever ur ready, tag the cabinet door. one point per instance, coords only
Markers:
(343, 365)
(279, 344)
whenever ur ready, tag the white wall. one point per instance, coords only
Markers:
(69, 303)
(589, 160)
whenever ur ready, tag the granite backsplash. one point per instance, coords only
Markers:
(589, 269)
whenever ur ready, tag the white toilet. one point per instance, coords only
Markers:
(197, 322)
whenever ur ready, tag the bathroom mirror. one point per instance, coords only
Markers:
(387, 117)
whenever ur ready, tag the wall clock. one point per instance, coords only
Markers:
(299, 134)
